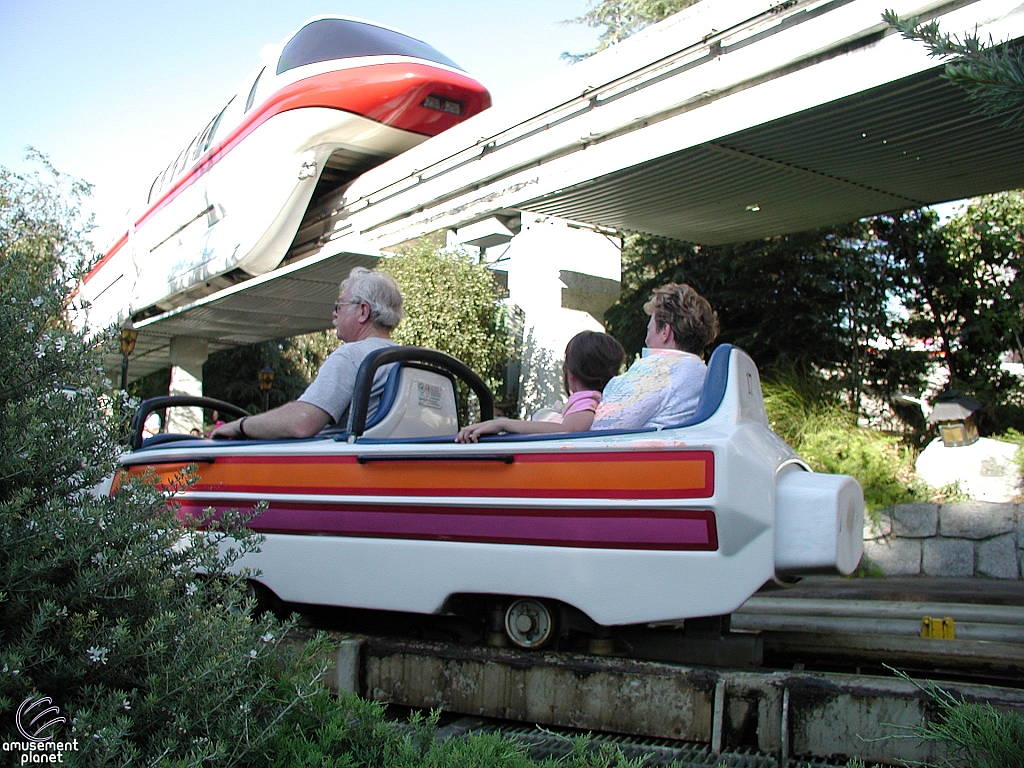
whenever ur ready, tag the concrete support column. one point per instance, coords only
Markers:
(562, 277)
(188, 354)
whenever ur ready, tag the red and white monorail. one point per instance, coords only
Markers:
(337, 97)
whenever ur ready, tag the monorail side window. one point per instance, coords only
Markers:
(178, 164)
(152, 188)
(211, 131)
(252, 91)
(190, 153)
(327, 39)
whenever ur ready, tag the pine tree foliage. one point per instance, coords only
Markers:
(618, 19)
(976, 735)
(991, 73)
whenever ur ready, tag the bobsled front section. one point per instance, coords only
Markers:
(819, 523)
(818, 518)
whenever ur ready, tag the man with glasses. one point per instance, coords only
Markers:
(368, 309)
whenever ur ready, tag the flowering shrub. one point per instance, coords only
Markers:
(102, 605)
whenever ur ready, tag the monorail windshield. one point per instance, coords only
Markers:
(327, 39)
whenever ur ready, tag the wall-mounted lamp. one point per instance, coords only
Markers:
(266, 381)
(129, 335)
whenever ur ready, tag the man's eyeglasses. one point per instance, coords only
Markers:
(339, 304)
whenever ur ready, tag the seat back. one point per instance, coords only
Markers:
(417, 401)
(732, 389)
(715, 381)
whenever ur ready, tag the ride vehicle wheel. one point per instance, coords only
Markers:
(530, 623)
(264, 600)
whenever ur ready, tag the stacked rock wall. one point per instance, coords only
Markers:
(966, 538)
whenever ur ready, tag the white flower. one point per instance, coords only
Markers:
(37, 301)
(191, 589)
(267, 637)
(252, 654)
(97, 654)
(125, 704)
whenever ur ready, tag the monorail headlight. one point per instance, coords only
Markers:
(439, 104)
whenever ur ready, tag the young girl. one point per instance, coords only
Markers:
(591, 360)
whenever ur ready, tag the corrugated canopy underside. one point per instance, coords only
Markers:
(913, 142)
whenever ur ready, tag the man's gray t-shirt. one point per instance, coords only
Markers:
(331, 390)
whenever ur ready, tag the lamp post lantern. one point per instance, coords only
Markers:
(954, 415)
(129, 335)
(266, 380)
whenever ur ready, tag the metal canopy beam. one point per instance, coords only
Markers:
(292, 300)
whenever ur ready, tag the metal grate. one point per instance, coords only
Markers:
(542, 743)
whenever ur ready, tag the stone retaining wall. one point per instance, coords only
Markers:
(965, 538)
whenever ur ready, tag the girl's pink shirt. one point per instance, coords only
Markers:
(584, 400)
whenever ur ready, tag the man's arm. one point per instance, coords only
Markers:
(290, 420)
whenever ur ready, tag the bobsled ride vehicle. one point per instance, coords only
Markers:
(591, 530)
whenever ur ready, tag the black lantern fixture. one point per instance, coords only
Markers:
(266, 380)
(954, 413)
(129, 335)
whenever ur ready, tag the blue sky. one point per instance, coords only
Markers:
(109, 90)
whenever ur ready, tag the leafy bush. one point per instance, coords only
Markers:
(815, 423)
(352, 733)
(451, 304)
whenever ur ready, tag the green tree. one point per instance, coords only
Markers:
(617, 20)
(964, 288)
(452, 304)
(231, 374)
(992, 74)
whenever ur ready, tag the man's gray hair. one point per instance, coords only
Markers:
(378, 290)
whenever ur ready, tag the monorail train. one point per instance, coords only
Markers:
(337, 97)
(590, 530)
